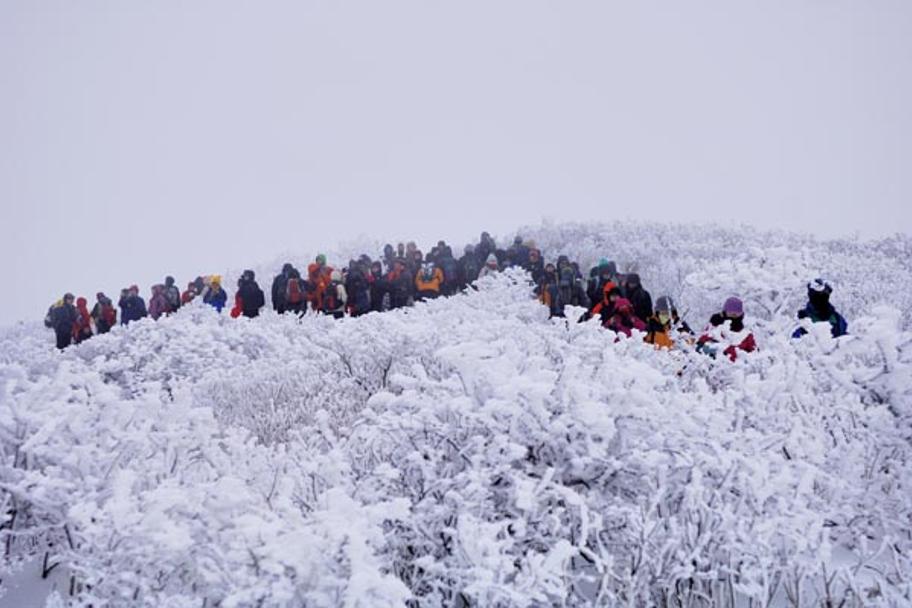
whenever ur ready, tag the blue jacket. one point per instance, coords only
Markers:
(132, 308)
(838, 324)
(216, 299)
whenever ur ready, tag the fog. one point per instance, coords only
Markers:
(144, 139)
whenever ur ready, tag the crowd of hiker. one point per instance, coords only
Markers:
(404, 275)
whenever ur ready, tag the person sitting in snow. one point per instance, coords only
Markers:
(726, 332)
(819, 310)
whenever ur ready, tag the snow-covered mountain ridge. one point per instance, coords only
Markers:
(470, 451)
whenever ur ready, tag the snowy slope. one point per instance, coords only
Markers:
(471, 451)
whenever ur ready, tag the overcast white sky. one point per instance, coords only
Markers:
(145, 138)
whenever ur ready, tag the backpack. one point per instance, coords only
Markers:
(172, 295)
(49, 318)
(293, 294)
(108, 314)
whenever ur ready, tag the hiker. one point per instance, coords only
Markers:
(189, 294)
(358, 288)
(490, 268)
(428, 282)
(485, 247)
(132, 306)
(103, 313)
(172, 294)
(294, 298)
(379, 286)
(569, 283)
(61, 317)
(726, 332)
(389, 256)
(469, 267)
(548, 292)
(318, 279)
(819, 310)
(449, 269)
(536, 266)
(82, 326)
(518, 253)
(249, 298)
(604, 272)
(214, 295)
(279, 286)
(399, 284)
(638, 297)
(615, 312)
(158, 303)
(335, 296)
(665, 326)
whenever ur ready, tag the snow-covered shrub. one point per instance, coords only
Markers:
(467, 451)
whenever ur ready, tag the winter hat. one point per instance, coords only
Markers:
(733, 306)
(820, 286)
(248, 275)
(134, 288)
(612, 268)
(603, 263)
(68, 296)
(517, 240)
(492, 259)
(470, 249)
(633, 279)
(81, 303)
(215, 279)
(321, 259)
(169, 281)
(664, 304)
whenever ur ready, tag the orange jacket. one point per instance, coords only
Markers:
(432, 284)
(319, 277)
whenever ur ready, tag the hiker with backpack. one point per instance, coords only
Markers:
(132, 306)
(449, 268)
(486, 246)
(400, 284)
(548, 292)
(249, 298)
(665, 328)
(294, 297)
(536, 266)
(469, 266)
(819, 310)
(518, 253)
(318, 280)
(334, 296)
(490, 268)
(379, 286)
(569, 283)
(726, 332)
(82, 327)
(358, 288)
(60, 317)
(429, 282)
(605, 272)
(172, 294)
(638, 297)
(103, 313)
(158, 303)
(279, 287)
(615, 312)
(214, 295)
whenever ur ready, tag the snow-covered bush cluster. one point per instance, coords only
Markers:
(470, 452)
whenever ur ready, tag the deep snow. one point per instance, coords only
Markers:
(471, 450)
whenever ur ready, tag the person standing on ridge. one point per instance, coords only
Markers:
(103, 313)
(62, 317)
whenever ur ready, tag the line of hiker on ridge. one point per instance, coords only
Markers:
(405, 275)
